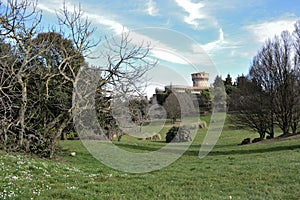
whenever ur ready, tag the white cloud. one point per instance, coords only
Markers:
(45, 8)
(263, 31)
(167, 52)
(215, 45)
(221, 34)
(115, 26)
(169, 56)
(152, 8)
(111, 24)
(240, 53)
(161, 51)
(194, 11)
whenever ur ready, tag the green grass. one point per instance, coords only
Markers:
(230, 171)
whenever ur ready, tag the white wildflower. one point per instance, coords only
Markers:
(72, 188)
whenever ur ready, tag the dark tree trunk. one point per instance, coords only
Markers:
(63, 136)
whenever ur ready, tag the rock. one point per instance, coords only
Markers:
(176, 134)
(154, 137)
(246, 141)
(73, 154)
(202, 125)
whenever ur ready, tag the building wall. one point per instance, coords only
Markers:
(200, 80)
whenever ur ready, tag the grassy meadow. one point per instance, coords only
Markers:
(266, 170)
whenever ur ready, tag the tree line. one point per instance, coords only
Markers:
(266, 98)
(38, 70)
(269, 96)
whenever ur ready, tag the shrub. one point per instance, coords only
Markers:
(72, 135)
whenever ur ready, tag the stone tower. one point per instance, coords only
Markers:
(200, 80)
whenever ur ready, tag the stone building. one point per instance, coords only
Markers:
(200, 80)
(200, 83)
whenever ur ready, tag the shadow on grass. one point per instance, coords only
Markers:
(137, 147)
(194, 149)
(255, 151)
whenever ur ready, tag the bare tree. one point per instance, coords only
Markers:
(19, 24)
(40, 59)
(123, 65)
(296, 34)
(274, 72)
(9, 94)
(138, 108)
(262, 70)
(296, 72)
(172, 107)
(46, 65)
(251, 108)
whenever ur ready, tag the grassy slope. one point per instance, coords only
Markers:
(256, 171)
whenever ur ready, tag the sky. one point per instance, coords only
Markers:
(215, 36)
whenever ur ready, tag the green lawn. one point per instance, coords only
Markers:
(230, 171)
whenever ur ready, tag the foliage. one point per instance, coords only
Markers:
(204, 101)
(218, 82)
(138, 108)
(218, 94)
(39, 70)
(250, 108)
(72, 135)
(161, 97)
(172, 107)
(228, 80)
(42, 77)
(270, 96)
(273, 70)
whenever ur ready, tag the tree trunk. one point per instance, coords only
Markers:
(262, 136)
(3, 136)
(285, 129)
(272, 128)
(119, 138)
(173, 120)
(63, 136)
(22, 112)
(294, 127)
(271, 134)
(56, 135)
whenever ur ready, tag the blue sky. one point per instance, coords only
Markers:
(230, 31)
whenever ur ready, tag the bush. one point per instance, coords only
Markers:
(178, 134)
(72, 135)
